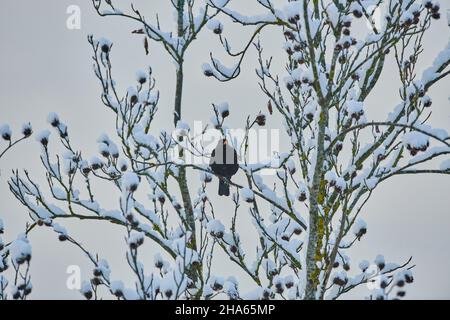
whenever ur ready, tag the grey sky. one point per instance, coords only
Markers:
(46, 67)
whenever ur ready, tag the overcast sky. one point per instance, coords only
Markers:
(46, 67)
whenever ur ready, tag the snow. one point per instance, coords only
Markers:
(141, 76)
(310, 111)
(333, 14)
(275, 226)
(182, 129)
(302, 192)
(3, 280)
(341, 278)
(113, 214)
(122, 164)
(255, 294)
(278, 281)
(136, 239)
(281, 174)
(168, 288)
(445, 165)
(5, 132)
(207, 69)
(20, 250)
(290, 165)
(59, 229)
(117, 287)
(246, 19)
(359, 226)
(380, 262)
(103, 149)
(53, 119)
(86, 287)
(330, 176)
(354, 107)
(27, 129)
(215, 25)
(406, 16)
(415, 140)
(371, 183)
(439, 133)
(340, 184)
(130, 181)
(219, 3)
(432, 72)
(216, 282)
(364, 265)
(269, 266)
(43, 136)
(103, 42)
(431, 152)
(378, 294)
(224, 71)
(247, 194)
(103, 267)
(96, 162)
(231, 288)
(158, 260)
(205, 177)
(223, 108)
(215, 228)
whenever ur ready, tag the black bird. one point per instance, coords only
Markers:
(224, 162)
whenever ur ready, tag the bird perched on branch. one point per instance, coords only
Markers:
(224, 162)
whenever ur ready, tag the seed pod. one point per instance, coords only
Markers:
(159, 264)
(96, 281)
(436, 16)
(27, 290)
(168, 293)
(288, 34)
(435, 8)
(27, 130)
(97, 272)
(261, 119)
(105, 48)
(217, 286)
(357, 13)
(118, 293)
(302, 196)
(289, 284)
(16, 295)
(218, 29)
(400, 283)
(208, 72)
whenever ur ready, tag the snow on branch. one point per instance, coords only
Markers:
(307, 216)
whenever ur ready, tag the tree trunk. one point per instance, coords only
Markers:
(182, 180)
(312, 273)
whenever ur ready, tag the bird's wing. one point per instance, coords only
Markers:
(212, 159)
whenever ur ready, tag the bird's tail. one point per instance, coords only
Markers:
(224, 188)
